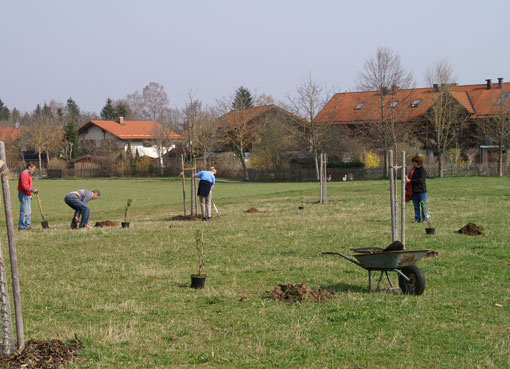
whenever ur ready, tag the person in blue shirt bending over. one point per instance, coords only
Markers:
(205, 186)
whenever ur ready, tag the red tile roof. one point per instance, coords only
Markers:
(130, 130)
(476, 99)
(9, 133)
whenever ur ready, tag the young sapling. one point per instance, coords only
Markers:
(128, 205)
(200, 248)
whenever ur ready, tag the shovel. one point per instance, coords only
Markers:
(44, 223)
(215, 208)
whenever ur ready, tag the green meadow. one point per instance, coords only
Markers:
(125, 292)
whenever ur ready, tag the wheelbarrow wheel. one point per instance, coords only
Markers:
(416, 283)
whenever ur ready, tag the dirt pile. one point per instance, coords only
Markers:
(394, 246)
(471, 229)
(41, 355)
(106, 223)
(187, 217)
(299, 293)
(253, 210)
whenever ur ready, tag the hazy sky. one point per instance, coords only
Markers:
(91, 50)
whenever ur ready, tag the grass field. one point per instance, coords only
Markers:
(125, 293)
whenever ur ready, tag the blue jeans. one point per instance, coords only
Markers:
(421, 210)
(24, 211)
(80, 209)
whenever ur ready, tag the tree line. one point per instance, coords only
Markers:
(52, 128)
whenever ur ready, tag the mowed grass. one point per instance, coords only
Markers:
(125, 292)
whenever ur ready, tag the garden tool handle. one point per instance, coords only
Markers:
(40, 207)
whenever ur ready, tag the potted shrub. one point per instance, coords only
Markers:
(125, 223)
(430, 229)
(198, 280)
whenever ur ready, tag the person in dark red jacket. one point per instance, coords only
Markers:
(25, 191)
(417, 179)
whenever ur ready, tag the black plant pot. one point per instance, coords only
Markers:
(125, 224)
(198, 281)
(430, 230)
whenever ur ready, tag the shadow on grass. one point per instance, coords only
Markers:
(344, 287)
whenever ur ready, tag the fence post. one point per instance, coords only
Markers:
(403, 201)
(12, 249)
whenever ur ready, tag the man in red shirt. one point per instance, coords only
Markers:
(25, 191)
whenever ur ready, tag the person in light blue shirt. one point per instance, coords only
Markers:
(205, 186)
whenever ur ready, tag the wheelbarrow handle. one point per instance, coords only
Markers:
(344, 256)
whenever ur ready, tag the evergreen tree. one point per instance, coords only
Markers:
(4, 111)
(122, 110)
(243, 99)
(73, 111)
(71, 137)
(15, 115)
(37, 111)
(108, 112)
(46, 111)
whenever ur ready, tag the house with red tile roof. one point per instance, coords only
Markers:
(240, 127)
(144, 137)
(479, 101)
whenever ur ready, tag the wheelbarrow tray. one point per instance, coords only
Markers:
(390, 259)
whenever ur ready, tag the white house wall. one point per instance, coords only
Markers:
(96, 134)
(146, 151)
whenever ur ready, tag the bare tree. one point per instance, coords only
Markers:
(441, 72)
(447, 118)
(497, 128)
(151, 104)
(206, 135)
(310, 97)
(273, 143)
(385, 74)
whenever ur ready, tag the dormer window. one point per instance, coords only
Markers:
(393, 104)
(416, 103)
(503, 98)
(359, 106)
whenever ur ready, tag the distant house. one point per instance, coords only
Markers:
(147, 138)
(478, 101)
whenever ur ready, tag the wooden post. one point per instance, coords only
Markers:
(321, 178)
(403, 201)
(183, 185)
(325, 177)
(12, 250)
(195, 186)
(392, 198)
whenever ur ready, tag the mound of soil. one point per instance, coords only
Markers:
(432, 254)
(394, 246)
(41, 355)
(106, 223)
(299, 293)
(253, 210)
(187, 217)
(471, 229)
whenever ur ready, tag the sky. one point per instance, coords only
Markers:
(95, 49)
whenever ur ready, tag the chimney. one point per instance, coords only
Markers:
(435, 87)
(121, 121)
(489, 84)
(500, 82)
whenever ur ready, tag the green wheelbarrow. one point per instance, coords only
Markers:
(411, 279)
